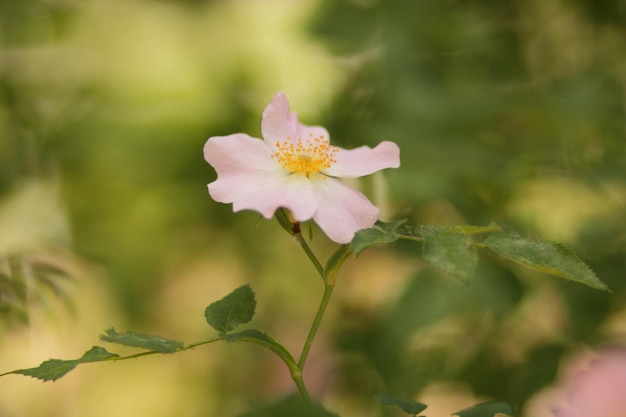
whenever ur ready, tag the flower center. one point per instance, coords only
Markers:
(313, 155)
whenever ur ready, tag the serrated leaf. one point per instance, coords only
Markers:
(408, 406)
(50, 370)
(451, 253)
(139, 340)
(486, 409)
(382, 232)
(236, 308)
(97, 354)
(54, 369)
(549, 257)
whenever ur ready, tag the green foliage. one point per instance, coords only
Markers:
(408, 406)
(550, 258)
(289, 407)
(139, 340)
(478, 107)
(24, 277)
(234, 309)
(382, 232)
(450, 252)
(54, 369)
(486, 409)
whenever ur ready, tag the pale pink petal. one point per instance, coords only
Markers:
(342, 211)
(265, 193)
(238, 153)
(352, 163)
(248, 178)
(278, 124)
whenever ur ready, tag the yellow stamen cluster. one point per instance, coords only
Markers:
(312, 155)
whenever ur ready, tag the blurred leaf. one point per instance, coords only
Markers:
(449, 252)
(54, 369)
(549, 257)
(408, 406)
(382, 232)
(262, 339)
(25, 279)
(291, 406)
(486, 409)
(236, 308)
(155, 343)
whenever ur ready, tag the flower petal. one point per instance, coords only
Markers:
(342, 211)
(352, 163)
(248, 178)
(265, 193)
(278, 124)
(238, 153)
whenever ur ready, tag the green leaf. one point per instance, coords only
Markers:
(50, 370)
(54, 369)
(236, 308)
(486, 409)
(551, 258)
(450, 252)
(382, 232)
(408, 406)
(97, 354)
(154, 343)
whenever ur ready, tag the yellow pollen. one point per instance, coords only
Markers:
(312, 155)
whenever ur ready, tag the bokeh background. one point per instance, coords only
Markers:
(505, 111)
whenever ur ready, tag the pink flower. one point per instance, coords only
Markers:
(595, 387)
(295, 167)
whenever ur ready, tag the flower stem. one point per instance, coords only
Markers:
(328, 274)
(307, 249)
(302, 388)
(328, 291)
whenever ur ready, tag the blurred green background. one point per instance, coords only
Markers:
(507, 111)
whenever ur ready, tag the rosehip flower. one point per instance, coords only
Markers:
(596, 387)
(295, 167)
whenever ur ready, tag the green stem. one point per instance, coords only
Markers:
(412, 238)
(155, 352)
(257, 338)
(328, 291)
(302, 388)
(329, 274)
(307, 249)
